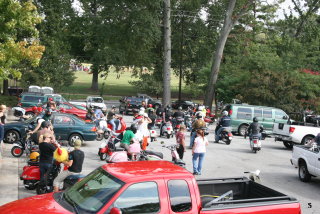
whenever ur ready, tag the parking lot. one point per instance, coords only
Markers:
(221, 161)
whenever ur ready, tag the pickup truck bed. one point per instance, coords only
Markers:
(245, 193)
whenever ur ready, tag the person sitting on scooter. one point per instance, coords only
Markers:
(176, 115)
(46, 147)
(196, 125)
(150, 108)
(112, 118)
(74, 164)
(127, 137)
(255, 129)
(166, 117)
(152, 117)
(46, 127)
(224, 123)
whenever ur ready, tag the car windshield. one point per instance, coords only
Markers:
(97, 100)
(94, 191)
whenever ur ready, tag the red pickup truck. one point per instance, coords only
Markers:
(157, 187)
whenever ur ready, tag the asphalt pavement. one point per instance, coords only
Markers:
(221, 161)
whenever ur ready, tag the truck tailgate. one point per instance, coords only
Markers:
(281, 129)
(241, 195)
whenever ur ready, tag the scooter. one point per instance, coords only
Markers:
(108, 147)
(175, 156)
(25, 144)
(167, 130)
(255, 143)
(30, 175)
(107, 127)
(153, 133)
(178, 122)
(158, 122)
(46, 185)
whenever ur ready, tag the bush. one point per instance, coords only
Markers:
(10, 101)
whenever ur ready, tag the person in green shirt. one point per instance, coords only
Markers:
(127, 137)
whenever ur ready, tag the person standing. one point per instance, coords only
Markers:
(197, 124)
(46, 147)
(74, 164)
(198, 152)
(180, 138)
(2, 122)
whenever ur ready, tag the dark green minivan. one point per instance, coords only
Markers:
(242, 115)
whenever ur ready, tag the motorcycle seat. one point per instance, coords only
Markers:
(33, 163)
(159, 154)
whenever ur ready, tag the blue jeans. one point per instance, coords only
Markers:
(192, 137)
(1, 132)
(197, 166)
(217, 137)
(44, 168)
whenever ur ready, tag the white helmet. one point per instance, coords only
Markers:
(141, 113)
(142, 109)
(200, 108)
(225, 113)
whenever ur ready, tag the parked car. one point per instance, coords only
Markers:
(296, 132)
(127, 104)
(242, 115)
(306, 159)
(150, 100)
(157, 187)
(183, 103)
(66, 127)
(29, 99)
(92, 101)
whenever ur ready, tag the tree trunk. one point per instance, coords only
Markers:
(225, 31)
(95, 75)
(5, 87)
(167, 55)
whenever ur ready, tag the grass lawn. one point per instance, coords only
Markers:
(112, 86)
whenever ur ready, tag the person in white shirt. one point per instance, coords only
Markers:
(198, 151)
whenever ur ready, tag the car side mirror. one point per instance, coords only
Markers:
(285, 117)
(115, 210)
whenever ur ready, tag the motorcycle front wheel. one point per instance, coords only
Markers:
(17, 151)
(43, 189)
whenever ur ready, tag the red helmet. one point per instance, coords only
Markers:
(50, 99)
(34, 108)
(150, 105)
(39, 109)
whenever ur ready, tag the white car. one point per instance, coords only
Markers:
(92, 101)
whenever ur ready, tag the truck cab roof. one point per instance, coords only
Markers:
(145, 170)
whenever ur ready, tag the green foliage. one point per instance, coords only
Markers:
(18, 37)
(8, 100)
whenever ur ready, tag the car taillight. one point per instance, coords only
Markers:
(291, 129)
(94, 129)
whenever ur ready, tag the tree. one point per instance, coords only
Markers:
(54, 68)
(18, 38)
(229, 22)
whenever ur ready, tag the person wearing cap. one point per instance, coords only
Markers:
(74, 164)
(51, 104)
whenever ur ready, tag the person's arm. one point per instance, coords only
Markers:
(182, 142)
(206, 140)
(68, 163)
(148, 119)
(194, 145)
(36, 129)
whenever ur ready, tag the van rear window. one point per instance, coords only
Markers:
(244, 113)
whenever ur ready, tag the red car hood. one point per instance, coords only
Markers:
(34, 205)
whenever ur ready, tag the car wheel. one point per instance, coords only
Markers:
(242, 129)
(304, 174)
(307, 139)
(73, 138)
(30, 114)
(11, 136)
(288, 144)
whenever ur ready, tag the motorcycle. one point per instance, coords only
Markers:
(226, 136)
(167, 130)
(255, 143)
(25, 144)
(158, 122)
(153, 133)
(175, 156)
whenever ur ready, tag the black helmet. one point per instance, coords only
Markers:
(255, 119)
(133, 128)
(45, 124)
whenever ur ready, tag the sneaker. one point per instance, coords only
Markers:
(195, 173)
